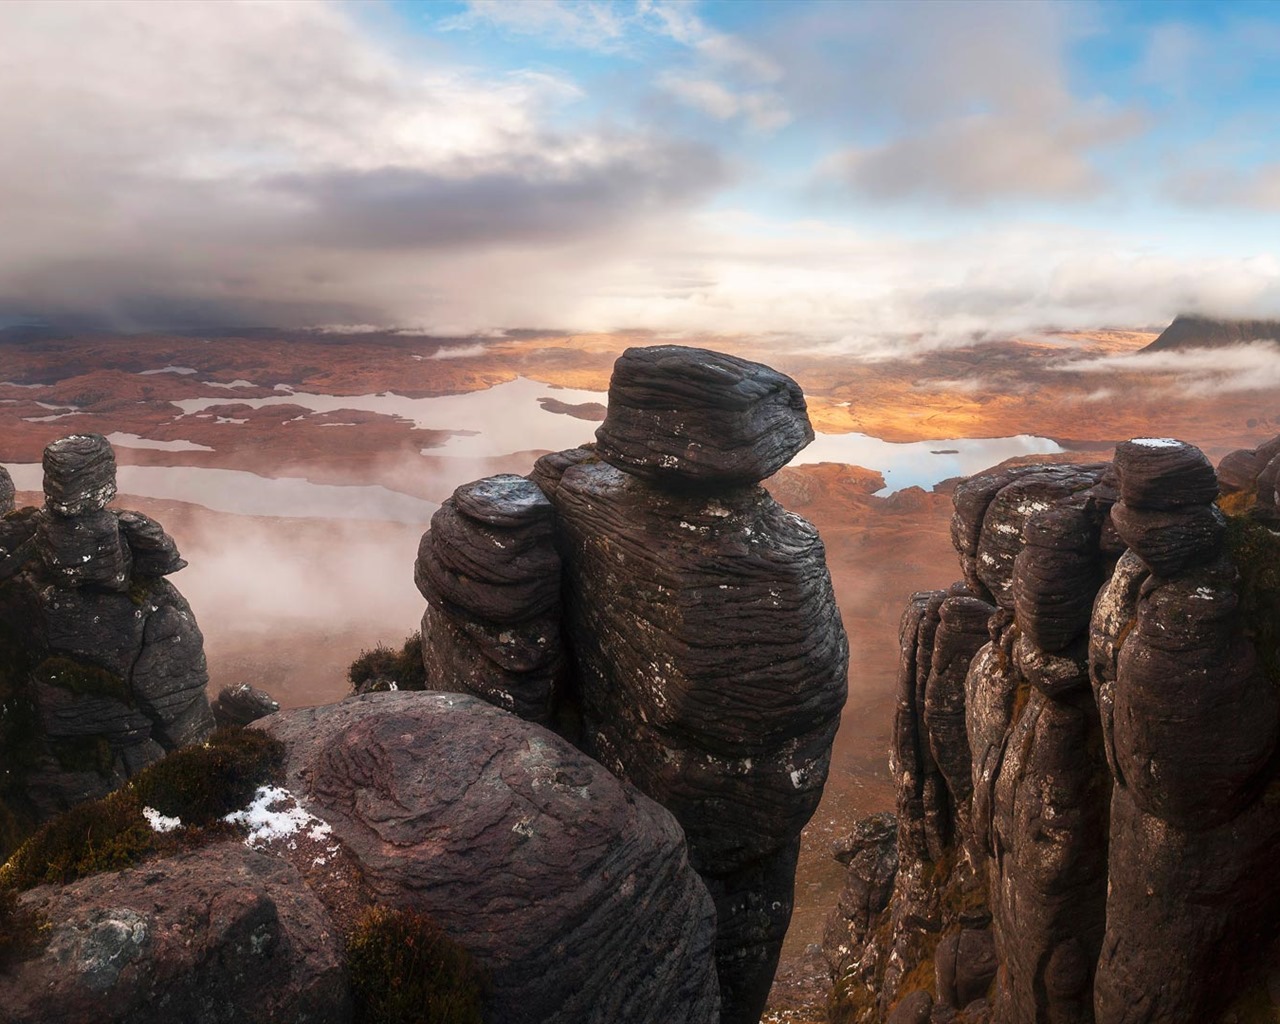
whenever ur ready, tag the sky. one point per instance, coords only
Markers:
(863, 175)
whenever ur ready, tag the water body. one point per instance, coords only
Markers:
(247, 494)
(500, 420)
(507, 418)
(921, 463)
(123, 440)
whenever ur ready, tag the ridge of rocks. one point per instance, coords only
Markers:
(1084, 736)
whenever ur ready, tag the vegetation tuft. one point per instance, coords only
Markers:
(374, 671)
(21, 930)
(405, 970)
(197, 784)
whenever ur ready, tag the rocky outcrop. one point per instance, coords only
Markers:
(490, 572)
(1251, 477)
(687, 419)
(104, 667)
(1121, 734)
(572, 890)
(708, 658)
(1190, 330)
(216, 936)
(6, 492)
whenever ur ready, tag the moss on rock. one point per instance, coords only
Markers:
(1256, 552)
(197, 784)
(83, 678)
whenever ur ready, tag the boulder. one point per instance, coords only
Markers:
(153, 551)
(572, 890)
(1239, 470)
(217, 936)
(7, 492)
(490, 572)
(1162, 473)
(79, 475)
(691, 418)
(711, 666)
(242, 704)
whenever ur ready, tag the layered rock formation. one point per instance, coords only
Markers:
(489, 570)
(708, 658)
(1103, 805)
(103, 667)
(571, 891)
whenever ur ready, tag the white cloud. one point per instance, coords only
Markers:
(1199, 372)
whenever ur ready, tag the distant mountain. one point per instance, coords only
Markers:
(1189, 331)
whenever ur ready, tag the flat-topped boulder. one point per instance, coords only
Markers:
(691, 418)
(1162, 473)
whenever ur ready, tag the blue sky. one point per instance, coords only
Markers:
(877, 174)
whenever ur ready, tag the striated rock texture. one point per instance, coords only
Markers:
(708, 660)
(688, 419)
(1109, 846)
(711, 662)
(103, 665)
(217, 936)
(490, 572)
(572, 890)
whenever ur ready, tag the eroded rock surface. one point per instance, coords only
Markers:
(217, 936)
(104, 666)
(1121, 732)
(571, 889)
(708, 658)
(490, 572)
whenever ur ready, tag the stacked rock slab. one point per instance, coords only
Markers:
(489, 570)
(1122, 733)
(104, 665)
(1190, 726)
(1255, 473)
(710, 658)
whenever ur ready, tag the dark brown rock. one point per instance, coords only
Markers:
(571, 889)
(1171, 542)
(548, 470)
(1195, 720)
(490, 571)
(1056, 576)
(84, 551)
(153, 551)
(909, 757)
(965, 965)
(1049, 873)
(1239, 470)
(7, 492)
(242, 704)
(961, 632)
(1161, 473)
(218, 936)
(712, 664)
(688, 417)
(914, 1008)
(79, 475)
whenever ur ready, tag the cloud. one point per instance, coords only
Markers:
(985, 157)
(1257, 188)
(1198, 372)
(957, 103)
(195, 162)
